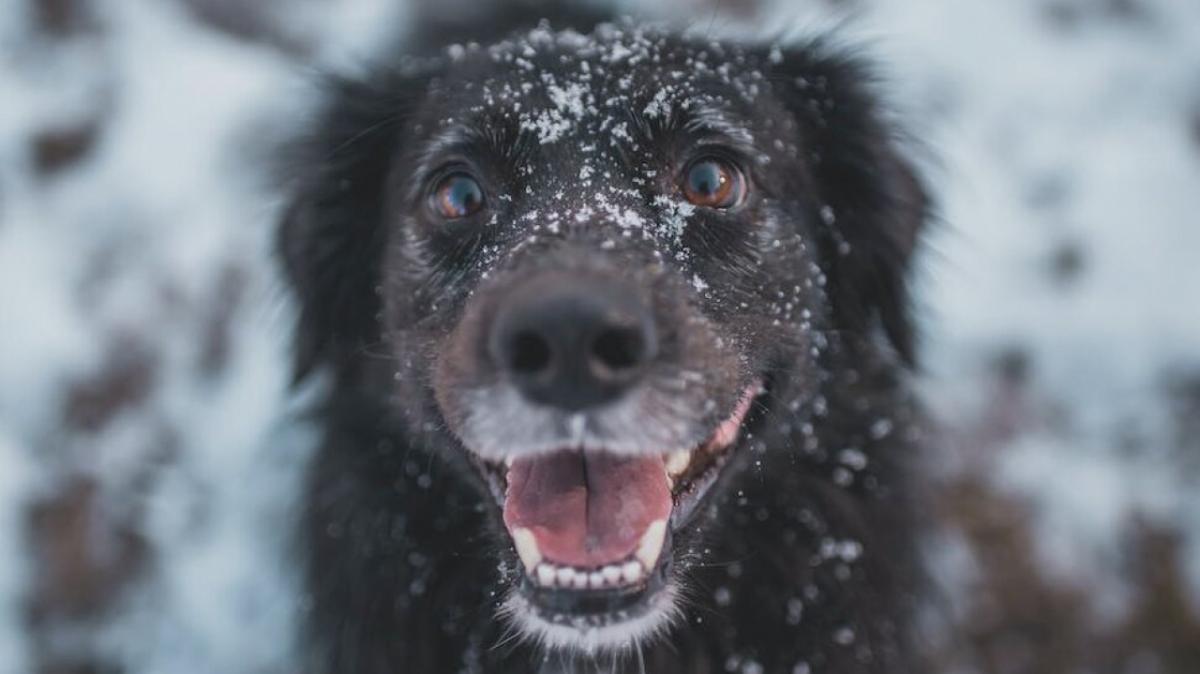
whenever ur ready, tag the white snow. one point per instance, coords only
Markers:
(1049, 136)
(1045, 136)
(169, 196)
(16, 482)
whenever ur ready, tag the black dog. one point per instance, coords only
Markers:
(616, 323)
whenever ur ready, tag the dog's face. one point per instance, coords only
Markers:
(604, 257)
(606, 265)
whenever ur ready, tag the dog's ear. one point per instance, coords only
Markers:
(872, 205)
(332, 232)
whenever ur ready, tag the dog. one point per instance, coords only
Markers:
(614, 328)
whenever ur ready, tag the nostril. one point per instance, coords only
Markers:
(618, 349)
(568, 343)
(530, 353)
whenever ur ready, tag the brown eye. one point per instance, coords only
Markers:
(714, 183)
(457, 196)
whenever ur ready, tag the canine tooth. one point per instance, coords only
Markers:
(580, 581)
(595, 580)
(545, 575)
(678, 461)
(564, 575)
(651, 544)
(631, 572)
(729, 430)
(527, 548)
(612, 574)
(509, 461)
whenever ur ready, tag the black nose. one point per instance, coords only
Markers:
(572, 343)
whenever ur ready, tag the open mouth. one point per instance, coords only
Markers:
(593, 529)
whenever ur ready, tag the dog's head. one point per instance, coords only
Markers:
(600, 265)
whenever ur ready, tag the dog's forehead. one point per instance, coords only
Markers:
(567, 88)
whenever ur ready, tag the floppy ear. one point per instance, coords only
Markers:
(872, 203)
(332, 232)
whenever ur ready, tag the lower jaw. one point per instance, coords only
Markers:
(615, 632)
(597, 608)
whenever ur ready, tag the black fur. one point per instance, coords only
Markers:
(805, 557)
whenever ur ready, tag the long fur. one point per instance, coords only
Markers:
(804, 555)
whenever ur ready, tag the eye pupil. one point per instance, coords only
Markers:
(706, 178)
(458, 196)
(714, 183)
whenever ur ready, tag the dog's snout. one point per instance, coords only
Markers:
(572, 343)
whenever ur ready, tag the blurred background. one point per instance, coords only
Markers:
(150, 454)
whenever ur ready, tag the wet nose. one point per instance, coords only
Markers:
(572, 343)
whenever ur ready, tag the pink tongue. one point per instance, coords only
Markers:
(586, 510)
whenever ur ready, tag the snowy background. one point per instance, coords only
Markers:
(148, 459)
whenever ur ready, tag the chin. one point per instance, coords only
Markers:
(601, 626)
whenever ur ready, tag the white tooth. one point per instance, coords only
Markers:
(580, 581)
(612, 574)
(651, 544)
(564, 575)
(508, 461)
(595, 580)
(527, 548)
(631, 572)
(545, 575)
(678, 461)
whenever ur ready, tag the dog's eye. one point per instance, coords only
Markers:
(457, 196)
(714, 183)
